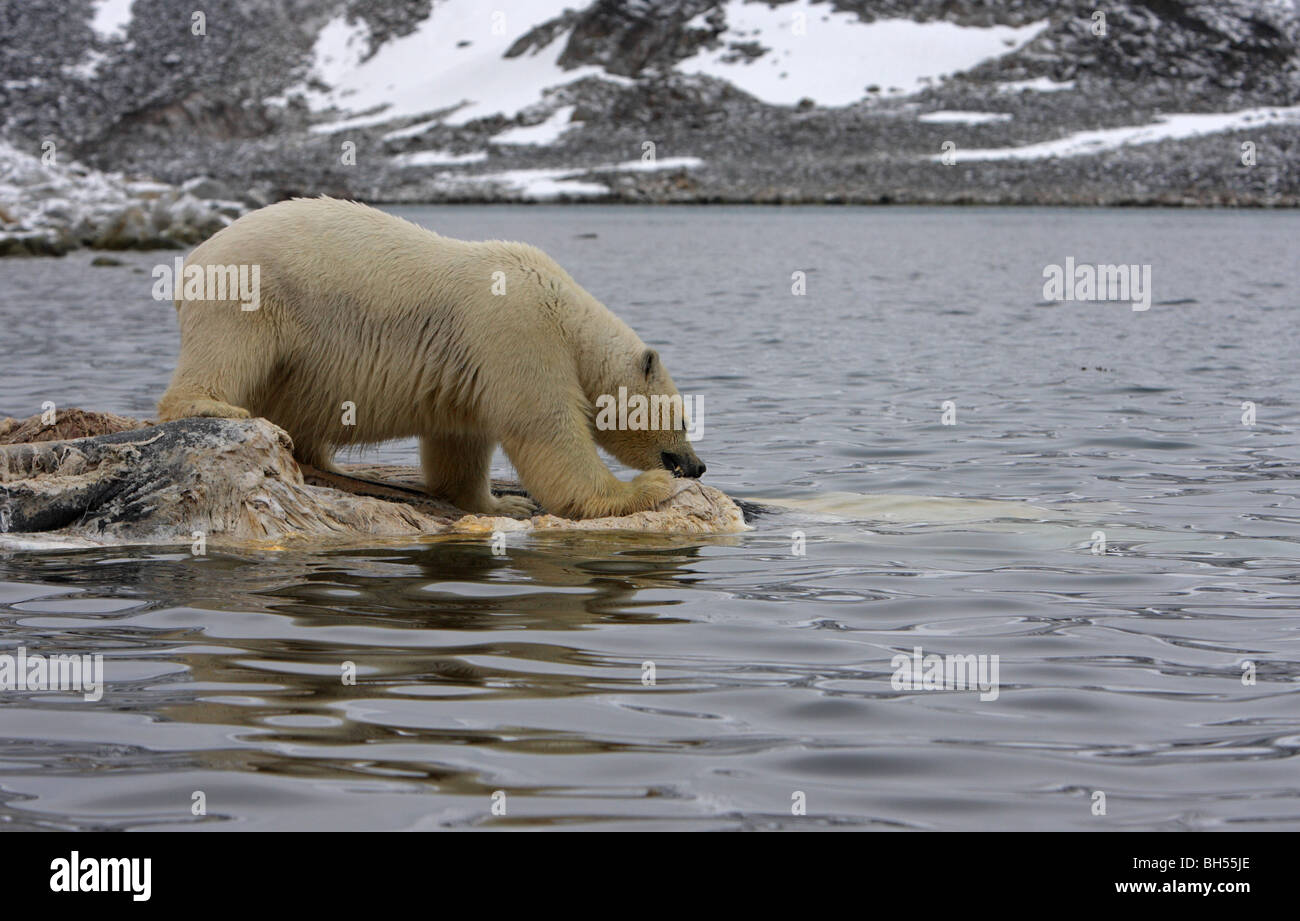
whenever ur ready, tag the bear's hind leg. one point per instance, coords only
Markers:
(456, 470)
(314, 455)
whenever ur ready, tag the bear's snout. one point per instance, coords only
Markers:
(683, 465)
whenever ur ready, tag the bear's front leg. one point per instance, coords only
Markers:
(456, 470)
(565, 474)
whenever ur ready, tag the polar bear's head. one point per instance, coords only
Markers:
(643, 421)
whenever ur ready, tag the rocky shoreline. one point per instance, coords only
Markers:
(47, 209)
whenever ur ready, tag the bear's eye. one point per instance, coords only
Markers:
(648, 361)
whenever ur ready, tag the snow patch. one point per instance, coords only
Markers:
(1037, 85)
(699, 21)
(542, 184)
(832, 57)
(650, 166)
(955, 117)
(549, 184)
(542, 134)
(454, 62)
(437, 158)
(339, 49)
(411, 131)
(86, 69)
(1166, 128)
(111, 18)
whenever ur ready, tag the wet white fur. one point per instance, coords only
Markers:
(357, 305)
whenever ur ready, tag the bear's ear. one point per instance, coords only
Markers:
(648, 362)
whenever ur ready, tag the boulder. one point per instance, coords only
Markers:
(207, 187)
(50, 209)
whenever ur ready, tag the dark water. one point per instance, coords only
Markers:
(1120, 673)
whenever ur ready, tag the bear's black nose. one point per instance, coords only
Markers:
(682, 465)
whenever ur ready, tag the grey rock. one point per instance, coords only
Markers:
(257, 197)
(207, 187)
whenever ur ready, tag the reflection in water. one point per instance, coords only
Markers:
(448, 622)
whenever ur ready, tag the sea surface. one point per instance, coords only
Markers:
(1102, 514)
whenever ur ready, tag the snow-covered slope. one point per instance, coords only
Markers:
(832, 57)
(456, 61)
(668, 100)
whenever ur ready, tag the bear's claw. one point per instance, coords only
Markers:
(512, 507)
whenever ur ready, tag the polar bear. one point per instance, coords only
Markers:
(367, 328)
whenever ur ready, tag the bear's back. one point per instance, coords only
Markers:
(332, 269)
(318, 252)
